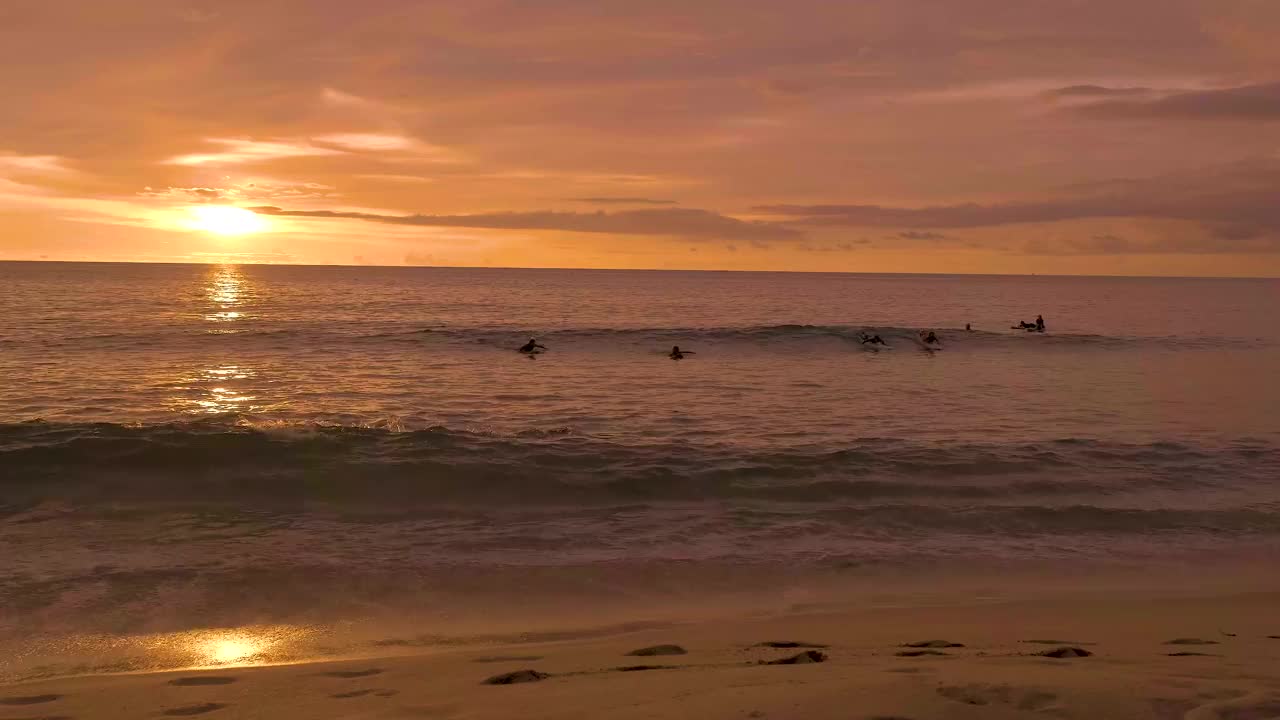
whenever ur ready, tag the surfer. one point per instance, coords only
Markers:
(1024, 325)
(968, 327)
(871, 339)
(530, 347)
(678, 354)
(1039, 323)
(930, 339)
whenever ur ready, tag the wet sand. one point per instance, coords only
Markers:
(1072, 655)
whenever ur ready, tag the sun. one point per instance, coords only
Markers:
(226, 220)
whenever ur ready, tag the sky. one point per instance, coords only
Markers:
(1130, 137)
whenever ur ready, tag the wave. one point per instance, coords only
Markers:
(511, 337)
(237, 458)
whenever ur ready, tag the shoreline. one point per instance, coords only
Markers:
(1153, 654)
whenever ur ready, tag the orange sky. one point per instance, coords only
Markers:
(1073, 136)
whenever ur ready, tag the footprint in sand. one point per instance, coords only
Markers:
(519, 676)
(804, 658)
(189, 710)
(1063, 653)
(1020, 698)
(785, 644)
(202, 680)
(1056, 642)
(933, 644)
(1257, 706)
(350, 674)
(659, 650)
(29, 699)
(379, 692)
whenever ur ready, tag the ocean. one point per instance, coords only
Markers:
(299, 455)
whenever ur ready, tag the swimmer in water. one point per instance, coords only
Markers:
(871, 339)
(529, 347)
(678, 354)
(930, 339)
(967, 328)
(1039, 323)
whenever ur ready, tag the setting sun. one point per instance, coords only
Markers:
(224, 220)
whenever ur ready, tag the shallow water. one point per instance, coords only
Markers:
(185, 446)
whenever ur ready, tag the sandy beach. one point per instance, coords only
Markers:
(1130, 655)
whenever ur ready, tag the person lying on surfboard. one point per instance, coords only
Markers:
(871, 339)
(532, 345)
(678, 354)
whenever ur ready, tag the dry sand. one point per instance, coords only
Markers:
(1222, 665)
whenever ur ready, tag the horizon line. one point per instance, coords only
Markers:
(608, 269)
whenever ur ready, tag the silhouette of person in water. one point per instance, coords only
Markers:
(1024, 325)
(871, 339)
(931, 339)
(678, 354)
(1039, 323)
(530, 346)
(967, 328)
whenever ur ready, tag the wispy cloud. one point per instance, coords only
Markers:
(669, 221)
(1098, 91)
(371, 142)
(1235, 204)
(395, 178)
(249, 191)
(34, 164)
(622, 201)
(1245, 102)
(918, 235)
(236, 151)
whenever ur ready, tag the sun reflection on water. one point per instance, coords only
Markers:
(228, 291)
(251, 645)
(231, 650)
(214, 391)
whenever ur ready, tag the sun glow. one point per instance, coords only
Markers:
(225, 220)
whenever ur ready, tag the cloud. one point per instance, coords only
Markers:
(622, 201)
(666, 221)
(1097, 91)
(1099, 244)
(375, 142)
(241, 151)
(257, 190)
(1245, 192)
(840, 247)
(1245, 102)
(418, 258)
(917, 235)
(398, 148)
(395, 177)
(1206, 241)
(1235, 206)
(35, 164)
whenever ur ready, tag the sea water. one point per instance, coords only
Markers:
(185, 447)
